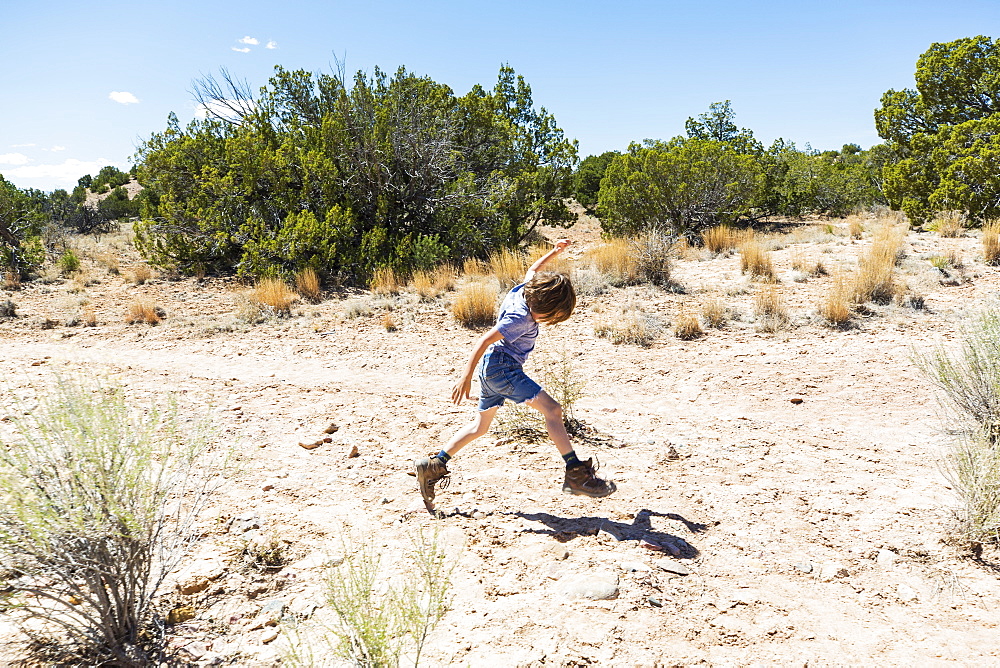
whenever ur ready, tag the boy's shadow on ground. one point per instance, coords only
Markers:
(565, 529)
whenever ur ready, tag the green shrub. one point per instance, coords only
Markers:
(69, 263)
(99, 499)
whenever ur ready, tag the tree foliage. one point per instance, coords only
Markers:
(945, 132)
(346, 176)
(587, 178)
(21, 219)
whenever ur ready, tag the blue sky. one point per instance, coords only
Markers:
(83, 83)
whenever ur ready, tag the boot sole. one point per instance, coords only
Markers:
(612, 488)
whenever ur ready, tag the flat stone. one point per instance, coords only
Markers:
(885, 558)
(832, 569)
(270, 635)
(804, 566)
(671, 566)
(906, 593)
(597, 586)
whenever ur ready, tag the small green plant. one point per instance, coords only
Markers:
(265, 554)
(378, 617)
(99, 501)
(969, 381)
(69, 263)
(563, 383)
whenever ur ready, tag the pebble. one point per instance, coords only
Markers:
(655, 602)
(832, 569)
(180, 614)
(906, 592)
(634, 567)
(671, 566)
(245, 522)
(885, 558)
(597, 586)
(193, 586)
(270, 635)
(332, 429)
(353, 453)
(804, 566)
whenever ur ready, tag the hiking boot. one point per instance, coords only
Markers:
(581, 479)
(430, 470)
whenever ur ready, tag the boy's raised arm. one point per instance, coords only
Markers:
(461, 389)
(540, 262)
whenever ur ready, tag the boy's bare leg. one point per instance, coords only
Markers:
(581, 476)
(470, 432)
(553, 414)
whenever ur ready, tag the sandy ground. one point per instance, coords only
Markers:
(798, 472)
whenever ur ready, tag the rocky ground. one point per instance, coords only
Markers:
(791, 479)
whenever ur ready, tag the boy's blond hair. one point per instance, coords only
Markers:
(550, 297)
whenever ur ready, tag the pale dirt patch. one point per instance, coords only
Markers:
(790, 509)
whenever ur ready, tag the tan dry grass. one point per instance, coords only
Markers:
(949, 224)
(385, 281)
(308, 286)
(143, 311)
(628, 326)
(508, 266)
(616, 260)
(110, 262)
(714, 313)
(876, 279)
(834, 307)
(723, 238)
(430, 284)
(139, 274)
(991, 242)
(687, 327)
(756, 261)
(474, 267)
(560, 264)
(769, 309)
(88, 317)
(855, 228)
(475, 305)
(274, 294)
(389, 322)
(11, 280)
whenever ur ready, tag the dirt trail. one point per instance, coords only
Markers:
(800, 470)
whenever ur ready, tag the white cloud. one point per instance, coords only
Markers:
(13, 159)
(55, 149)
(123, 97)
(249, 40)
(271, 45)
(50, 177)
(243, 50)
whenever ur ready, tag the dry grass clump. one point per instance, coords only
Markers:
(715, 313)
(876, 279)
(389, 322)
(88, 317)
(991, 242)
(615, 259)
(139, 275)
(475, 305)
(144, 311)
(949, 224)
(430, 284)
(769, 309)
(724, 238)
(110, 262)
(385, 281)
(308, 286)
(855, 228)
(356, 308)
(11, 280)
(508, 266)
(687, 327)
(474, 267)
(653, 254)
(835, 308)
(807, 266)
(756, 261)
(629, 325)
(274, 294)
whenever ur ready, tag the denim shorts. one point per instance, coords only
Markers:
(501, 377)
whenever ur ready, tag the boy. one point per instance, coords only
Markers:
(497, 359)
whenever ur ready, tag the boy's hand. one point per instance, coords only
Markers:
(562, 244)
(461, 390)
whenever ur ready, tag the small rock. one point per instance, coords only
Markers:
(180, 614)
(353, 453)
(237, 407)
(270, 635)
(598, 586)
(385, 500)
(804, 566)
(245, 522)
(796, 400)
(832, 569)
(332, 429)
(906, 592)
(268, 486)
(559, 551)
(478, 515)
(311, 446)
(193, 586)
(885, 558)
(634, 567)
(655, 602)
(671, 566)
